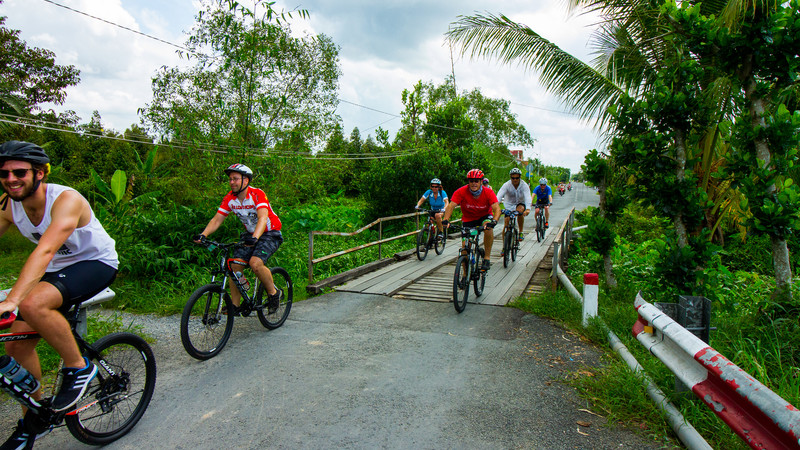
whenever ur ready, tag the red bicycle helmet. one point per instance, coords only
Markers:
(475, 173)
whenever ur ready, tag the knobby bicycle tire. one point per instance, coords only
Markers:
(422, 242)
(506, 247)
(478, 275)
(283, 282)
(205, 329)
(120, 393)
(461, 283)
(440, 243)
(514, 244)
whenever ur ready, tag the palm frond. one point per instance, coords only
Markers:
(582, 88)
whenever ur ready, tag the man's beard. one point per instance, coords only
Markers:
(27, 190)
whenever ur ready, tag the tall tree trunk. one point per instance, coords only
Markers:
(611, 280)
(780, 250)
(680, 174)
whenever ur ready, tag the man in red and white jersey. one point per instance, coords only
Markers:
(263, 235)
(479, 205)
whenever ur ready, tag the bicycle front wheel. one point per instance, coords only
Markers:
(441, 242)
(422, 242)
(478, 274)
(507, 245)
(514, 244)
(539, 229)
(274, 319)
(120, 393)
(461, 283)
(205, 329)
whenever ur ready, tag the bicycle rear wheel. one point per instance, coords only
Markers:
(422, 242)
(440, 243)
(272, 320)
(120, 393)
(461, 283)
(204, 328)
(479, 275)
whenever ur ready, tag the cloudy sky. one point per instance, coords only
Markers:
(385, 46)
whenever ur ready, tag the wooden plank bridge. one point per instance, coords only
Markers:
(432, 279)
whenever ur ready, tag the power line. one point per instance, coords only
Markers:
(545, 109)
(200, 147)
(118, 25)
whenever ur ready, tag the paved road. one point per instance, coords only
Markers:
(366, 371)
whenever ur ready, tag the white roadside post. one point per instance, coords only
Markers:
(590, 292)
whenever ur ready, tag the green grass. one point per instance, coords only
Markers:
(768, 349)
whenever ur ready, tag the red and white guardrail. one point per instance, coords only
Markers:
(759, 416)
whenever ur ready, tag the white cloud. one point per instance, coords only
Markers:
(385, 47)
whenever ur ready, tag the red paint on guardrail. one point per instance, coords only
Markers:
(756, 414)
(591, 278)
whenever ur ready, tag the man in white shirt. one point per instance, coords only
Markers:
(516, 194)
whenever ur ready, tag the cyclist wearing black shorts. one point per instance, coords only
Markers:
(544, 198)
(263, 235)
(74, 259)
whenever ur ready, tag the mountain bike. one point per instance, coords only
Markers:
(510, 237)
(114, 401)
(206, 323)
(468, 266)
(540, 221)
(428, 236)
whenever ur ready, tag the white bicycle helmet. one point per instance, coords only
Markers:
(515, 171)
(240, 168)
(436, 181)
(543, 181)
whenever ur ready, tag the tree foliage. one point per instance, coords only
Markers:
(253, 84)
(29, 76)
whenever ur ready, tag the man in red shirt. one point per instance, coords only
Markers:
(263, 235)
(478, 206)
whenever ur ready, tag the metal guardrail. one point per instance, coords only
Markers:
(561, 246)
(759, 416)
(381, 240)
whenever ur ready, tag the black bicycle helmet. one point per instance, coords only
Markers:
(23, 151)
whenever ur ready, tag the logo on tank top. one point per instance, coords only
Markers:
(62, 251)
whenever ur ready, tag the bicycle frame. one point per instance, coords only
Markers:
(26, 399)
(227, 273)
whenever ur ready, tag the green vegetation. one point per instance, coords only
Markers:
(765, 347)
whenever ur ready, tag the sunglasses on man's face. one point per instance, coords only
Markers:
(19, 173)
(474, 180)
(515, 178)
(434, 186)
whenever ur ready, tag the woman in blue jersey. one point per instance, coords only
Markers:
(437, 198)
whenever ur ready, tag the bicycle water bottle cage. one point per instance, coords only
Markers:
(235, 261)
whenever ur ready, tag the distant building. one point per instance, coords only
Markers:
(517, 154)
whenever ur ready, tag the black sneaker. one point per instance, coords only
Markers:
(21, 438)
(486, 266)
(274, 301)
(236, 311)
(74, 383)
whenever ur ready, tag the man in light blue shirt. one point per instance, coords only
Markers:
(437, 198)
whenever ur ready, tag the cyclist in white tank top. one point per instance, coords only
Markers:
(73, 260)
(86, 243)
